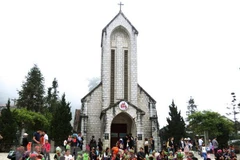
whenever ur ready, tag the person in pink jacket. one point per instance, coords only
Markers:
(47, 148)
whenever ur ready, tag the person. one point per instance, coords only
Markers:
(171, 145)
(107, 155)
(36, 137)
(182, 144)
(170, 156)
(80, 140)
(58, 153)
(25, 141)
(215, 145)
(47, 148)
(152, 144)
(191, 156)
(146, 146)
(200, 142)
(37, 150)
(67, 155)
(79, 155)
(210, 146)
(141, 154)
(93, 143)
(186, 148)
(19, 153)
(100, 146)
(45, 137)
(37, 153)
(86, 156)
(204, 152)
(115, 151)
(93, 154)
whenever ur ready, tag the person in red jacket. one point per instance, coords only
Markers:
(47, 148)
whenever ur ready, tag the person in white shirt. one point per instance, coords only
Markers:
(204, 151)
(200, 142)
(45, 136)
(67, 155)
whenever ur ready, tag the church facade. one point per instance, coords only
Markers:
(119, 105)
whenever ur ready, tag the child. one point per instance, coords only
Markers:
(58, 153)
(47, 148)
(170, 156)
(68, 156)
(86, 156)
(79, 155)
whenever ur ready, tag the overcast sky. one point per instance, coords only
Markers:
(185, 48)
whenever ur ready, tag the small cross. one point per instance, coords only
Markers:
(120, 4)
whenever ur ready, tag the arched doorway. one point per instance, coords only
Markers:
(122, 124)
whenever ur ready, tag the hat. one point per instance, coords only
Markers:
(25, 134)
(58, 149)
(79, 152)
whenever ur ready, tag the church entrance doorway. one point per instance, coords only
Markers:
(117, 131)
(122, 124)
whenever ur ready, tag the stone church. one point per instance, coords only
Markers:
(119, 105)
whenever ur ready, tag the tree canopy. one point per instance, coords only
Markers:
(216, 125)
(30, 120)
(8, 126)
(176, 124)
(60, 124)
(32, 94)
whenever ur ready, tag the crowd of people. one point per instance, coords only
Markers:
(186, 146)
(125, 149)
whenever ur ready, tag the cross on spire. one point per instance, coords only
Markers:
(120, 4)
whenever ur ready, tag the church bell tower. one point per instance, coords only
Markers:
(119, 61)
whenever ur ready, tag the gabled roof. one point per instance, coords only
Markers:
(117, 103)
(141, 89)
(82, 100)
(120, 13)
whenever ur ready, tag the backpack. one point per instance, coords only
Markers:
(11, 155)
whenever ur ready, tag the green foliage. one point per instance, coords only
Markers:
(30, 120)
(216, 125)
(8, 126)
(192, 107)
(60, 124)
(32, 94)
(52, 97)
(209, 121)
(176, 124)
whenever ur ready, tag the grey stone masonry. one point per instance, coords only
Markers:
(140, 115)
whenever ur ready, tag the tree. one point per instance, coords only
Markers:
(52, 96)
(216, 125)
(192, 107)
(234, 111)
(176, 124)
(31, 96)
(60, 124)
(8, 126)
(29, 120)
